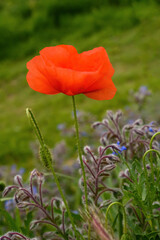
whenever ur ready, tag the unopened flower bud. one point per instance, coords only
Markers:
(118, 114)
(100, 149)
(138, 122)
(7, 190)
(109, 167)
(105, 121)
(40, 178)
(22, 205)
(21, 196)
(122, 174)
(126, 172)
(95, 124)
(110, 114)
(139, 132)
(116, 147)
(103, 141)
(18, 180)
(87, 149)
(45, 156)
(127, 127)
(62, 206)
(113, 158)
(34, 224)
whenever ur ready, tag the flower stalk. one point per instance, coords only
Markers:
(148, 184)
(81, 160)
(46, 158)
(79, 151)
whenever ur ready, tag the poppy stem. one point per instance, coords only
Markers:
(79, 151)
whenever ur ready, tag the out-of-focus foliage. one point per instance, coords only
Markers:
(26, 25)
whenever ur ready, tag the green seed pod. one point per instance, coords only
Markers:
(45, 157)
(2, 186)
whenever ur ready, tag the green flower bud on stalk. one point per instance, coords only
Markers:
(45, 157)
(45, 154)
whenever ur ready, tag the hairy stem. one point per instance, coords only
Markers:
(79, 151)
(80, 157)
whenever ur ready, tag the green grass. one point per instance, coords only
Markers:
(129, 34)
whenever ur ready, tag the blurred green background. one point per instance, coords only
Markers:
(128, 29)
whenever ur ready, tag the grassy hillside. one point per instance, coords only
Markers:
(130, 34)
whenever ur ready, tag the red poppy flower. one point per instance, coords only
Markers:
(61, 69)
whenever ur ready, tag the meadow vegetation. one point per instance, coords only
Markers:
(109, 189)
(129, 30)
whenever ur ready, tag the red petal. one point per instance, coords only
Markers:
(37, 77)
(60, 56)
(93, 60)
(105, 93)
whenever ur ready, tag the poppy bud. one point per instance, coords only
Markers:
(45, 157)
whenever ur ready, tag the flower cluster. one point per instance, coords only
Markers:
(133, 137)
(31, 198)
(15, 236)
(98, 168)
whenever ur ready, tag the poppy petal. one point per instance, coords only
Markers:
(94, 60)
(105, 93)
(37, 78)
(61, 69)
(60, 56)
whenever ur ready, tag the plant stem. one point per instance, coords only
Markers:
(148, 184)
(124, 215)
(79, 151)
(157, 133)
(120, 222)
(64, 200)
(49, 162)
(81, 160)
